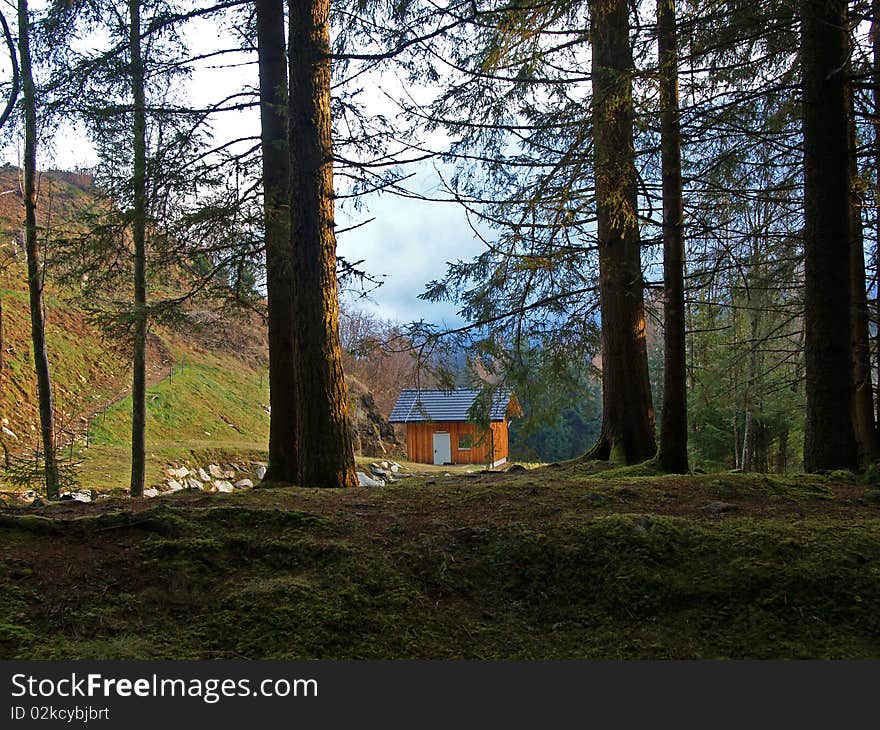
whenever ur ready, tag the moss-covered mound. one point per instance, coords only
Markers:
(546, 563)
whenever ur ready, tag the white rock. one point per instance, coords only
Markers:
(222, 485)
(365, 481)
(194, 484)
(203, 475)
(174, 486)
(260, 472)
(229, 474)
(151, 492)
(395, 467)
(180, 473)
(215, 471)
(83, 495)
(244, 484)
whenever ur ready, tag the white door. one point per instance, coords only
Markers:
(442, 448)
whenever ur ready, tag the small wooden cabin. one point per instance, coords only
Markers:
(438, 430)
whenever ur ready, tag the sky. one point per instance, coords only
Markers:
(406, 246)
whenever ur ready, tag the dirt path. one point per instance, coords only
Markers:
(160, 362)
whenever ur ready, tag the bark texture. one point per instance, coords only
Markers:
(672, 455)
(875, 89)
(139, 243)
(627, 410)
(829, 440)
(272, 59)
(34, 264)
(326, 458)
(863, 394)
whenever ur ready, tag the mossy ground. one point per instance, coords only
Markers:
(555, 562)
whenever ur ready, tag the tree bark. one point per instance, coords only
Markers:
(863, 394)
(627, 410)
(746, 460)
(736, 452)
(326, 458)
(782, 458)
(829, 439)
(875, 42)
(272, 61)
(672, 455)
(139, 241)
(34, 265)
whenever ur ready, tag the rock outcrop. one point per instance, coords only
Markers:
(371, 433)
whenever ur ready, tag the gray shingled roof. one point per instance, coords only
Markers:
(445, 405)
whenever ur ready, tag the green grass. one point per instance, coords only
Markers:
(211, 403)
(86, 370)
(478, 566)
(211, 399)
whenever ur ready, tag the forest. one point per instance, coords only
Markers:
(665, 239)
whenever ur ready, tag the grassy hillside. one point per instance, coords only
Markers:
(552, 562)
(87, 369)
(207, 386)
(200, 397)
(211, 402)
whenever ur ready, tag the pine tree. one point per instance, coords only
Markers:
(628, 413)
(829, 440)
(326, 458)
(34, 264)
(283, 463)
(672, 454)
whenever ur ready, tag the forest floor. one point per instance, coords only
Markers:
(562, 561)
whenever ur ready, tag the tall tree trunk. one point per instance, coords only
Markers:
(279, 265)
(875, 40)
(746, 460)
(35, 269)
(863, 394)
(736, 452)
(325, 453)
(627, 410)
(139, 240)
(782, 458)
(672, 455)
(829, 439)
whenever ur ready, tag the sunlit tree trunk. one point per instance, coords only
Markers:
(672, 455)
(279, 266)
(628, 412)
(326, 458)
(34, 265)
(829, 440)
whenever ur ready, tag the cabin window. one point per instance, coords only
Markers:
(465, 442)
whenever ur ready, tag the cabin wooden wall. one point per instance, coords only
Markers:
(499, 437)
(488, 446)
